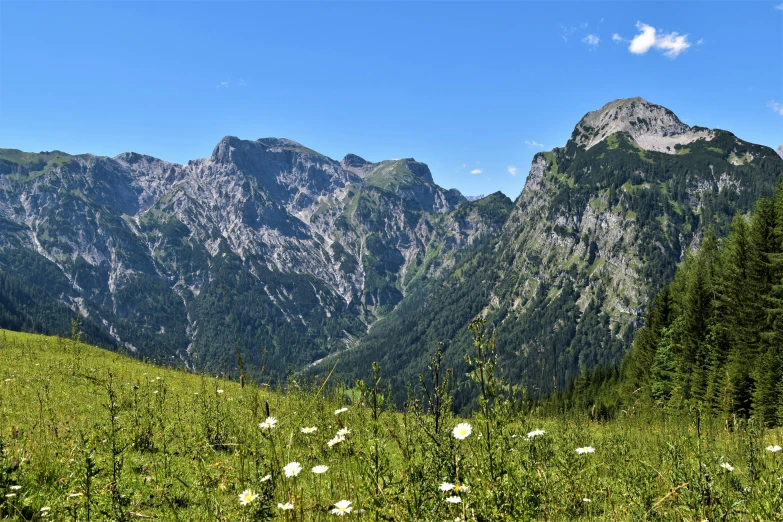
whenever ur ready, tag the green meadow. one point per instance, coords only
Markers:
(88, 434)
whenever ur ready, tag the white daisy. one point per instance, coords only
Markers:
(292, 469)
(586, 449)
(268, 424)
(342, 508)
(246, 497)
(454, 500)
(462, 431)
(446, 486)
(337, 440)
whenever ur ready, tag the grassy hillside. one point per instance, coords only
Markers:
(87, 434)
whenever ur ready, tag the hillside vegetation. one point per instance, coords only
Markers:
(712, 339)
(87, 434)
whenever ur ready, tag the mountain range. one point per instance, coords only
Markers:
(265, 245)
(293, 261)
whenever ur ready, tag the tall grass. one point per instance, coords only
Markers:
(93, 435)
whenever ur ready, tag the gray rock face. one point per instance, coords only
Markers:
(651, 126)
(780, 151)
(354, 161)
(351, 235)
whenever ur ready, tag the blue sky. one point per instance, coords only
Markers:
(472, 89)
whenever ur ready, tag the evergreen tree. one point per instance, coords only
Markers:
(664, 368)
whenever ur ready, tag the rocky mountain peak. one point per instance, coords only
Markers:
(780, 151)
(222, 151)
(418, 168)
(651, 126)
(354, 161)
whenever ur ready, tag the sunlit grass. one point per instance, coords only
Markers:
(191, 447)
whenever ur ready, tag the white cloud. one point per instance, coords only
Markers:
(229, 83)
(779, 7)
(533, 143)
(476, 171)
(567, 32)
(775, 106)
(617, 38)
(512, 170)
(671, 44)
(591, 40)
(643, 41)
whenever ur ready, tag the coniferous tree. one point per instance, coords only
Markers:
(663, 373)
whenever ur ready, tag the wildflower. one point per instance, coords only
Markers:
(10, 495)
(320, 469)
(341, 410)
(535, 433)
(446, 486)
(343, 432)
(774, 449)
(45, 509)
(462, 430)
(268, 424)
(337, 440)
(462, 488)
(292, 469)
(454, 500)
(247, 496)
(15, 488)
(267, 477)
(586, 500)
(309, 430)
(342, 508)
(288, 506)
(727, 466)
(220, 391)
(586, 449)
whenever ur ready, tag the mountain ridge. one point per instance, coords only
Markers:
(152, 250)
(598, 227)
